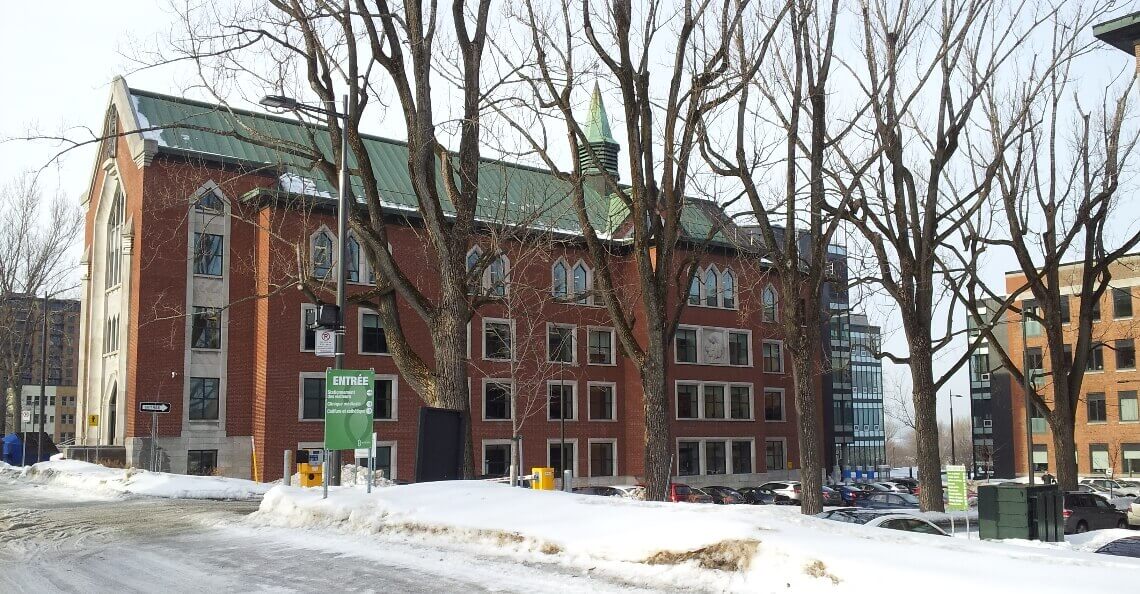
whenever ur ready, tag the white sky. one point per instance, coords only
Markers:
(62, 55)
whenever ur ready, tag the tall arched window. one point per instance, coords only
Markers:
(473, 258)
(728, 289)
(352, 260)
(114, 274)
(770, 303)
(695, 288)
(581, 282)
(711, 287)
(497, 276)
(322, 254)
(558, 279)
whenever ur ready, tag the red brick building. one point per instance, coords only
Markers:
(190, 298)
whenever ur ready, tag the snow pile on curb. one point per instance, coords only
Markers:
(94, 478)
(737, 548)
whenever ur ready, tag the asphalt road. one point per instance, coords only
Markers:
(52, 542)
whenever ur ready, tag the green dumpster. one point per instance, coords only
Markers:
(1030, 512)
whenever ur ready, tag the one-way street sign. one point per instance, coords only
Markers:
(154, 407)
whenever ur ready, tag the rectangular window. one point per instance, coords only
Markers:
(559, 459)
(714, 401)
(1122, 302)
(773, 359)
(741, 457)
(716, 460)
(1036, 361)
(1131, 454)
(1040, 457)
(560, 344)
(601, 347)
(1098, 457)
(687, 401)
(1096, 311)
(206, 328)
(1128, 406)
(497, 340)
(208, 254)
(201, 462)
(383, 399)
(602, 457)
(497, 400)
(1096, 358)
(1030, 316)
(385, 462)
(741, 402)
(601, 402)
(313, 398)
(496, 459)
(686, 342)
(1125, 354)
(560, 397)
(372, 338)
(204, 398)
(738, 348)
(1096, 408)
(1064, 307)
(774, 457)
(689, 458)
(773, 405)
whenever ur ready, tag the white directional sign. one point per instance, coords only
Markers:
(154, 407)
(326, 343)
(26, 416)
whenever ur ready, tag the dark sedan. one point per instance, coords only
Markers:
(1085, 511)
(831, 497)
(880, 500)
(850, 494)
(724, 495)
(1129, 546)
(762, 496)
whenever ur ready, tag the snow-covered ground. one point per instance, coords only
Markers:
(736, 548)
(100, 480)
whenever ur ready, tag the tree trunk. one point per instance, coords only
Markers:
(449, 339)
(807, 410)
(658, 452)
(926, 431)
(1064, 450)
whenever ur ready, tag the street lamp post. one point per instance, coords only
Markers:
(1025, 380)
(43, 380)
(283, 102)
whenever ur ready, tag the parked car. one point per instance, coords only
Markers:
(631, 491)
(698, 495)
(724, 495)
(1114, 488)
(1084, 512)
(849, 493)
(883, 519)
(603, 491)
(889, 501)
(1129, 546)
(910, 484)
(762, 496)
(1134, 513)
(789, 489)
(1094, 490)
(871, 488)
(831, 497)
(892, 486)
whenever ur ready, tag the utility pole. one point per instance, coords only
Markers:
(1025, 388)
(43, 380)
(342, 244)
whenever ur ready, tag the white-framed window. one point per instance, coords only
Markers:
(601, 401)
(715, 455)
(353, 268)
(497, 396)
(774, 410)
(716, 401)
(568, 459)
(695, 287)
(582, 279)
(210, 201)
(206, 328)
(602, 457)
(496, 457)
(495, 277)
(728, 289)
(769, 304)
(711, 287)
(561, 343)
(386, 398)
(308, 335)
(208, 254)
(685, 345)
(371, 339)
(601, 346)
(114, 265)
(311, 396)
(709, 345)
(559, 279)
(498, 339)
(773, 355)
(561, 395)
(322, 252)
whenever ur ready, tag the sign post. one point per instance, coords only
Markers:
(348, 409)
(957, 497)
(155, 409)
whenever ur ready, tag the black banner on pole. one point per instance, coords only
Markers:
(439, 451)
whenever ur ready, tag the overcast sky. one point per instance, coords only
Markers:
(60, 57)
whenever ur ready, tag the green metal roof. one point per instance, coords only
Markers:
(1121, 33)
(509, 193)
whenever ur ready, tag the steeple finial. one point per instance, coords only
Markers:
(598, 139)
(597, 122)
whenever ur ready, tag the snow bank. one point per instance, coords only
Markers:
(737, 548)
(94, 478)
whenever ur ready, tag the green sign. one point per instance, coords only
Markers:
(348, 409)
(956, 496)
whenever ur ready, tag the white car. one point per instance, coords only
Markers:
(1110, 486)
(1134, 513)
(882, 519)
(892, 487)
(789, 489)
(631, 491)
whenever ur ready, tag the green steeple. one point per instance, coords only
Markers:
(598, 137)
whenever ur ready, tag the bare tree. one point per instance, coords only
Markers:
(36, 236)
